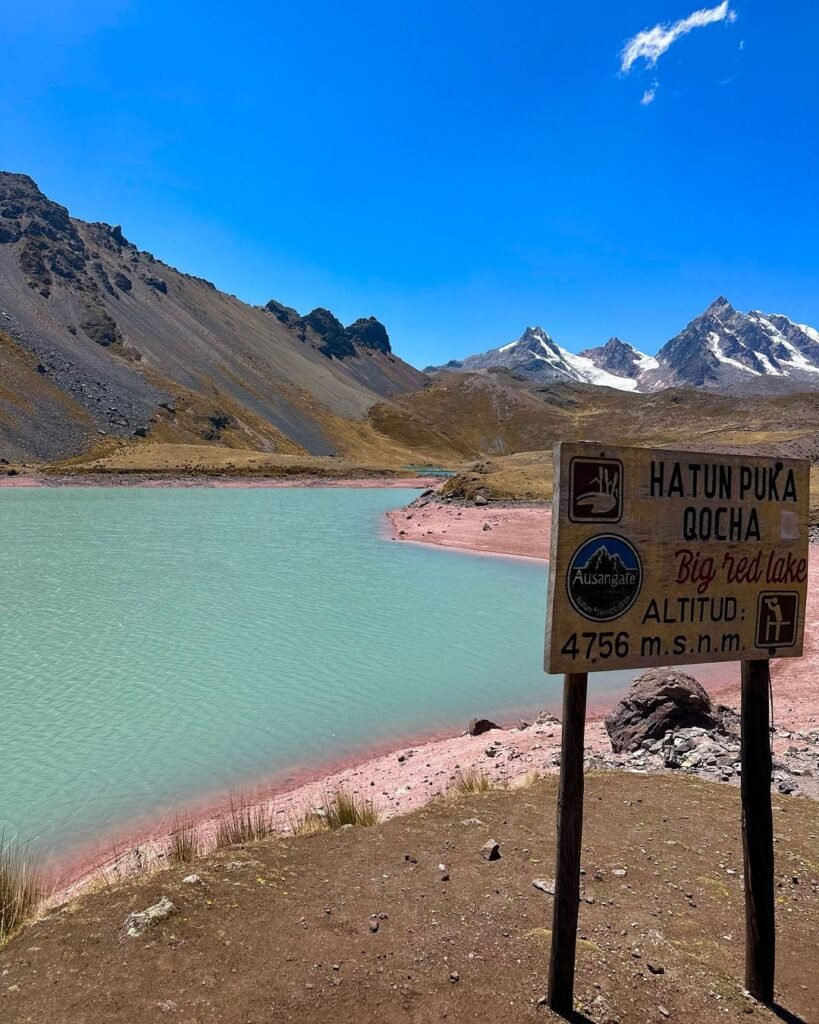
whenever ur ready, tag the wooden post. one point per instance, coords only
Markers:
(569, 836)
(757, 832)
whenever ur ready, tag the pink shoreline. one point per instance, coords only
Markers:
(159, 480)
(432, 761)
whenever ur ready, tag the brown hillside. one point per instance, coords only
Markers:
(122, 334)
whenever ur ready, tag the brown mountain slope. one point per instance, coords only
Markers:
(499, 413)
(121, 337)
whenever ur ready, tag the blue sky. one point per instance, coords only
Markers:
(458, 169)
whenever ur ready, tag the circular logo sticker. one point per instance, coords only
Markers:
(605, 576)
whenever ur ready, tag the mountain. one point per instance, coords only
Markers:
(537, 356)
(722, 349)
(99, 339)
(621, 359)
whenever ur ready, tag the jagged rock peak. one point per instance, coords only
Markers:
(369, 333)
(335, 340)
(286, 314)
(720, 308)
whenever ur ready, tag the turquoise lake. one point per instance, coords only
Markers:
(162, 644)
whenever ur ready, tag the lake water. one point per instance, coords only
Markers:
(162, 644)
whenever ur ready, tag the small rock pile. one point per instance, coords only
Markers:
(715, 754)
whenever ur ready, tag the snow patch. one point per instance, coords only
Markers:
(713, 345)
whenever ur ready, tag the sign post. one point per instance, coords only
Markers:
(569, 838)
(673, 558)
(757, 832)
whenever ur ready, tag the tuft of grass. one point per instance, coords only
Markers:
(185, 845)
(472, 781)
(345, 808)
(307, 824)
(21, 886)
(243, 824)
(531, 778)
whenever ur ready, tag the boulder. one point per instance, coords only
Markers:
(478, 726)
(137, 923)
(659, 700)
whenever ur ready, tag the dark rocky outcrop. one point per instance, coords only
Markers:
(101, 327)
(285, 314)
(617, 357)
(659, 700)
(123, 282)
(157, 284)
(369, 333)
(478, 726)
(334, 340)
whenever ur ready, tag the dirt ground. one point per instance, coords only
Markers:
(366, 925)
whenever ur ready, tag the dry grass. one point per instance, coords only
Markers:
(243, 823)
(307, 824)
(186, 844)
(472, 781)
(345, 808)
(21, 887)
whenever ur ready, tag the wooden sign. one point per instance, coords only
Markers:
(670, 558)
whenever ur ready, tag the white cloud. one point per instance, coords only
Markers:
(652, 43)
(649, 94)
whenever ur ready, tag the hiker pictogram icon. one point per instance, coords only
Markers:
(777, 619)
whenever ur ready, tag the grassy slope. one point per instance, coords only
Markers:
(280, 930)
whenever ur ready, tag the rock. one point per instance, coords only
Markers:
(491, 850)
(523, 724)
(374, 926)
(137, 923)
(369, 333)
(619, 872)
(141, 432)
(191, 880)
(427, 493)
(486, 526)
(657, 701)
(655, 968)
(481, 499)
(454, 977)
(157, 284)
(546, 885)
(478, 726)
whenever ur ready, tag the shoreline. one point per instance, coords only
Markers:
(218, 481)
(397, 777)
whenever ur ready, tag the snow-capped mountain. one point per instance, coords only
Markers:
(725, 348)
(536, 355)
(621, 359)
(720, 349)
